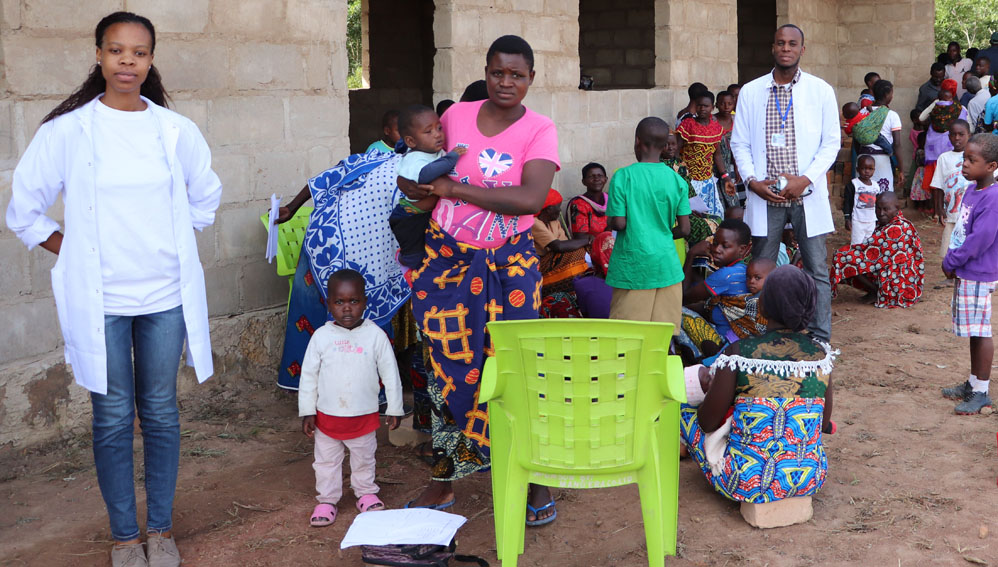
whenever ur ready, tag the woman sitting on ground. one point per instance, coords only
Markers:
(587, 212)
(779, 383)
(562, 259)
(888, 265)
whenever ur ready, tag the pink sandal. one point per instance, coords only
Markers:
(370, 503)
(322, 515)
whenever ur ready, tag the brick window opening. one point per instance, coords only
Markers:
(617, 43)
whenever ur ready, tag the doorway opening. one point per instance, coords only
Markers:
(395, 67)
(756, 24)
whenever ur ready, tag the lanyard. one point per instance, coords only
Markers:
(783, 115)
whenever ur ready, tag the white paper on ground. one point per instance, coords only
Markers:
(272, 232)
(411, 526)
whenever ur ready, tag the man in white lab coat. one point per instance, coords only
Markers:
(786, 137)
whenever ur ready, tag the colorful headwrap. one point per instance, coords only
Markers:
(865, 100)
(554, 198)
(949, 85)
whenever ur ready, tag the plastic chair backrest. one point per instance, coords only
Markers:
(581, 393)
(289, 240)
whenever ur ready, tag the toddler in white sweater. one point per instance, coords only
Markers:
(338, 397)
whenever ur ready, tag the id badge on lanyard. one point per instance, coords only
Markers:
(779, 139)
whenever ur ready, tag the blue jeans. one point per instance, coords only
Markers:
(151, 387)
(814, 255)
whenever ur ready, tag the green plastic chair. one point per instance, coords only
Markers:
(290, 236)
(584, 403)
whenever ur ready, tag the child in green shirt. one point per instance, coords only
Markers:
(649, 207)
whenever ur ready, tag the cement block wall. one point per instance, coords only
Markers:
(696, 41)
(265, 80)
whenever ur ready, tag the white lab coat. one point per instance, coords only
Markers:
(819, 138)
(60, 160)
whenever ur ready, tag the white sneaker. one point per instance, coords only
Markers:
(162, 551)
(129, 555)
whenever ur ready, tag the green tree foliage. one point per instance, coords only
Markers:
(967, 22)
(355, 46)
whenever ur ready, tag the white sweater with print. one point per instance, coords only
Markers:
(340, 371)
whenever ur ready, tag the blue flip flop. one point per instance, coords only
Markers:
(536, 513)
(443, 506)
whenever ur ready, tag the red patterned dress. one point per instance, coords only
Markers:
(700, 143)
(891, 257)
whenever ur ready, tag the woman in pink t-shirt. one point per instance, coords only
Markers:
(481, 265)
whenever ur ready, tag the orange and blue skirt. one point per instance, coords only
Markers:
(456, 292)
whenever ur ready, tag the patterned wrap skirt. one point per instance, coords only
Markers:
(774, 449)
(456, 292)
(558, 272)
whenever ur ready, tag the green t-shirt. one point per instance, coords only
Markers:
(650, 196)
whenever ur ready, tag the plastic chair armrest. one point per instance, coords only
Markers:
(671, 383)
(491, 389)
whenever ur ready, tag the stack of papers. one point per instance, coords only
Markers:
(411, 526)
(272, 231)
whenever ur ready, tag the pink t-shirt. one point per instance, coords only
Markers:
(495, 161)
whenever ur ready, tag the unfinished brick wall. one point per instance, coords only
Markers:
(265, 80)
(696, 41)
(617, 43)
(819, 20)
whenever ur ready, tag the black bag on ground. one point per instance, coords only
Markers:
(417, 555)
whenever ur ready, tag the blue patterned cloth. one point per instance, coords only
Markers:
(348, 229)
(774, 449)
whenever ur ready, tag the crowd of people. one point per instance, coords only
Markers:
(449, 222)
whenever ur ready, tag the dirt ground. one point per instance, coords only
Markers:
(909, 483)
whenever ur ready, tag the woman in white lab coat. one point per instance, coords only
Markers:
(136, 180)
